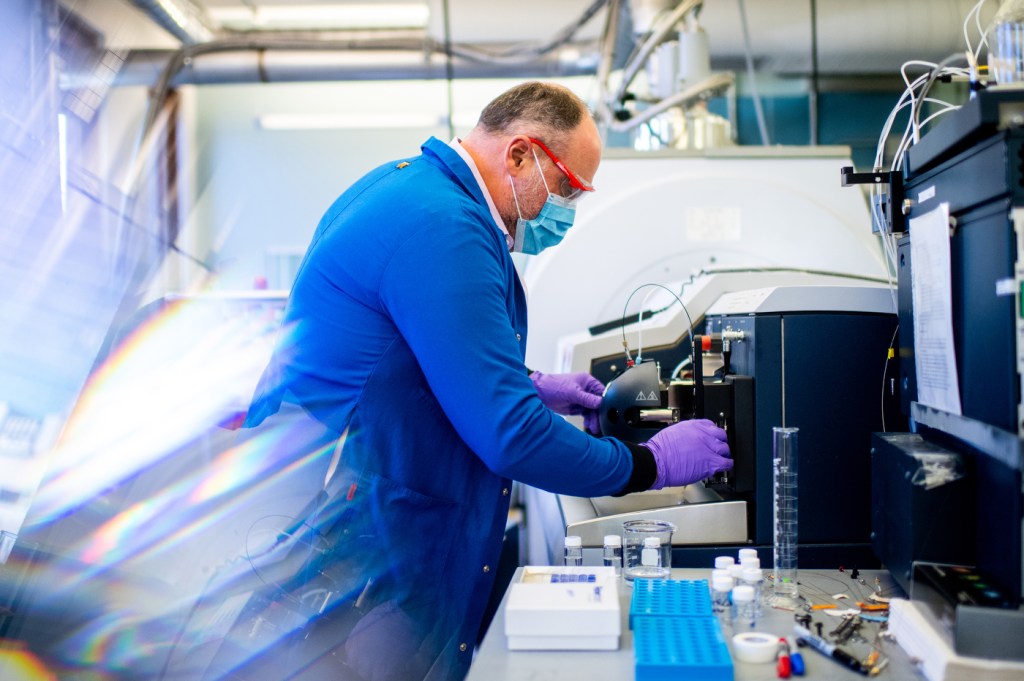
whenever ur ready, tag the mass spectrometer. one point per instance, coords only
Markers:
(812, 356)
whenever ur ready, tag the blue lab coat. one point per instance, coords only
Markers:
(407, 328)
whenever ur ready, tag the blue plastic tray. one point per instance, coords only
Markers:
(674, 648)
(669, 598)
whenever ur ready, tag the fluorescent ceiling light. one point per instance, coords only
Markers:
(323, 17)
(347, 121)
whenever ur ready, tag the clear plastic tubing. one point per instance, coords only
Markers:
(613, 552)
(784, 468)
(573, 551)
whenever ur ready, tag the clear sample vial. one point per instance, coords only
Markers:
(747, 553)
(723, 562)
(653, 560)
(744, 610)
(736, 572)
(754, 577)
(573, 551)
(613, 552)
(719, 573)
(751, 563)
(720, 601)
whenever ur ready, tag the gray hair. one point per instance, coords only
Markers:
(544, 109)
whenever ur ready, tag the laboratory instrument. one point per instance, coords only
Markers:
(823, 335)
(959, 220)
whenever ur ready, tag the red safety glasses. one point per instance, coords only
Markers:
(574, 181)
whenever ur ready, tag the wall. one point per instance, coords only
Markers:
(261, 192)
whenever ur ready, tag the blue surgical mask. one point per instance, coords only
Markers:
(549, 227)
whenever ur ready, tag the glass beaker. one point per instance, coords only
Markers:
(650, 561)
(784, 467)
(1006, 43)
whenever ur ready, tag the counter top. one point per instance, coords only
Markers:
(494, 662)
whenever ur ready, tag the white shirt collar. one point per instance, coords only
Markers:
(456, 144)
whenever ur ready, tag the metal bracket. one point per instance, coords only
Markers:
(890, 197)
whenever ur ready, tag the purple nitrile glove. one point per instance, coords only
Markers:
(688, 452)
(571, 395)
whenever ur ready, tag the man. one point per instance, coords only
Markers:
(408, 335)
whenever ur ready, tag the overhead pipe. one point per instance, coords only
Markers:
(183, 19)
(277, 65)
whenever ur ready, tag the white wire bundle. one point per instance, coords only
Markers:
(982, 33)
(914, 96)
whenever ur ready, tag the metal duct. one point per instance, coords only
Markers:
(288, 65)
(183, 19)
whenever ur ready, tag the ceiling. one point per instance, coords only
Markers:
(867, 36)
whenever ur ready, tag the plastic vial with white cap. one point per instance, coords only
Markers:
(573, 551)
(652, 560)
(744, 610)
(747, 553)
(720, 600)
(751, 563)
(723, 562)
(613, 552)
(754, 577)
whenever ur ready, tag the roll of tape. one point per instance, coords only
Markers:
(751, 646)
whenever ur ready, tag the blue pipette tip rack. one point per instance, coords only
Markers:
(673, 648)
(670, 598)
(675, 633)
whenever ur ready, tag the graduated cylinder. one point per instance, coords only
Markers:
(784, 469)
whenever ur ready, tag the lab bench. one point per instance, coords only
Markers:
(494, 662)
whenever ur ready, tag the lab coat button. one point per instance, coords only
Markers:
(518, 337)
(462, 647)
(487, 568)
(504, 492)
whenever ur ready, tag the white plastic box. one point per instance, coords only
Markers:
(564, 608)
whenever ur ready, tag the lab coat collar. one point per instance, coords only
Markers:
(456, 144)
(458, 161)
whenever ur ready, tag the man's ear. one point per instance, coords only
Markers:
(518, 154)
